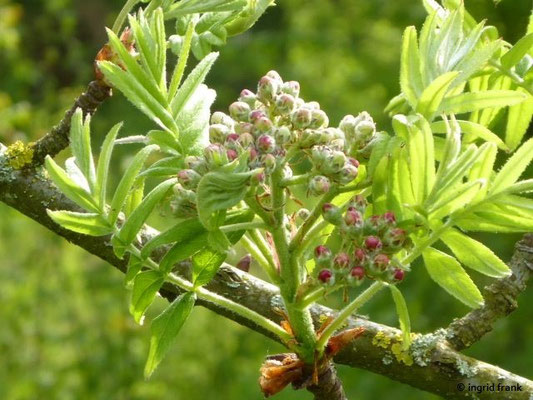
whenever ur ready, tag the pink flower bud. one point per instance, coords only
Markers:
(354, 162)
(359, 255)
(396, 237)
(267, 89)
(248, 97)
(347, 174)
(381, 261)
(322, 252)
(390, 218)
(353, 218)
(373, 243)
(244, 263)
(188, 178)
(266, 144)
(232, 154)
(399, 274)
(331, 214)
(341, 260)
(325, 276)
(256, 115)
(357, 272)
(301, 118)
(232, 137)
(263, 125)
(285, 103)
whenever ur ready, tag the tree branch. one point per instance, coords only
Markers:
(58, 138)
(500, 299)
(437, 368)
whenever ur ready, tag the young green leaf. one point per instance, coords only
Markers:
(127, 181)
(475, 255)
(473, 101)
(91, 224)
(517, 52)
(80, 144)
(135, 265)
(518, 122)
(195, 78)
(219, 190)
(403, 315)
(135, 197)
(166, 141)
(145, 287)
(127, 233)
(448, 274)
(165, 328)
(455, 198)
(181, 251)
(433, 95)
(146, 46)
(513, 168)
(482, 169)
(205, 265)
(524, 186)
(68, 187)
(473, 129)
(102, 169)
(410, 71)
(138, 95)
(183, 56)
(474, 60)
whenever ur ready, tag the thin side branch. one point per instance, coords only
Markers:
(500, 299)
(58, 138)
(437, 367)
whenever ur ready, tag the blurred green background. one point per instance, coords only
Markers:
(66, 332)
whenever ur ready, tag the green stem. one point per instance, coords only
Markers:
(514, 77)
(295, 180)
(316, 294)
(267, 266)
(244, 226)
(209, 296)
(435, 235)
(123, 14)
(357, 186)
(309, 222)
(252, 203)
(346, 312)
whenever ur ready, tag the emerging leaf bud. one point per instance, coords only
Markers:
(341, 261)
(266, 144)
(248, 97)
(240, 111)
(381, 262)
(244, 263)
(325, 276)
(301, 118)
(373, 243)
(285, 103)
(292, 88)
(267, 89)
(188, 178)
(319, 185)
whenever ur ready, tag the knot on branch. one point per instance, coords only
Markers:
(500, 299)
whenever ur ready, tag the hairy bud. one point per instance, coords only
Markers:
(292, 88)
(266, 144)
(240, 111)
(319, 185)
(248, 97)
(301, 118)
(267, 89)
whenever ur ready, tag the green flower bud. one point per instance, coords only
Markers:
(274, 75)
(188, 178)
(301, 118)
(263, 125)
(219, 117)
(183, 202)
(175, 43)
(285, 103)
(267, 89)
(240, 111)
(312, 105)
(292, 88)
(303, 214)
(320, 155)
(365, 127)
(283, 135)
(246, 140)
(196, 163)
(218, 133)
(347, 125)
(269, 162)
(319, 185)
(336, 161)
(319, 119)
(266, 144)
(310, 137)
(248, 97)
(348, 173)
(332, 214)
(244, 127)
(215, 155)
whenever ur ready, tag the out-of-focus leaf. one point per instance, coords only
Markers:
(403, 315)
(517, 52)
(473, 101)
(135, 265)
(513, 168)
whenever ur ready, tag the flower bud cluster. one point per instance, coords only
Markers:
(369, 247)
(262, 128)
(359, 132)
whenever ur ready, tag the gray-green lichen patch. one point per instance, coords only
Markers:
(423, 345)
(465, 368)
